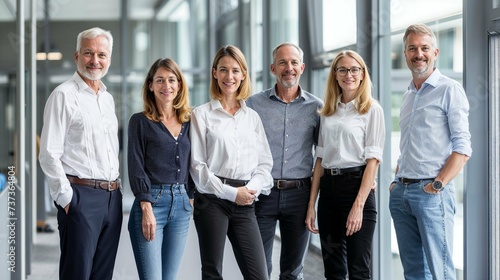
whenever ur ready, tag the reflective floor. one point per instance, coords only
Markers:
(46, 257)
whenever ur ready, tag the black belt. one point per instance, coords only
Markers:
(344, 171)
(284, 184)
(411, 181)
(233, 182)
(96, 184)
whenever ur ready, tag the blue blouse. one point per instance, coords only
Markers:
(156, 157)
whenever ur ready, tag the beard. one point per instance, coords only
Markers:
(94, 76)
(420, 71)
(289, 83)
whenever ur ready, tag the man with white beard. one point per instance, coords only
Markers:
(79, 156)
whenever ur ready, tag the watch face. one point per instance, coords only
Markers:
(437, 185)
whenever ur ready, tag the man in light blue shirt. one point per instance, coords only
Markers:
(435, 145)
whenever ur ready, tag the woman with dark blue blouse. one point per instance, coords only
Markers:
(158, 163)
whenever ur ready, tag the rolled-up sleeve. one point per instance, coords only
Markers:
(458, 121)
(375, 133)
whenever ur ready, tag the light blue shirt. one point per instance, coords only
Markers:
(434, 123)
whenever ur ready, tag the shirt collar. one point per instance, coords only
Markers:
(432, 80)
(82, 85)
(274, 95)
(353, 103)
(216, 105)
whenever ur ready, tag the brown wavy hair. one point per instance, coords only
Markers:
(181, 101)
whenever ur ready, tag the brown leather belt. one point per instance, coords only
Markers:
(343, 171)
(96, 184)
(284, 184)
(233, 182)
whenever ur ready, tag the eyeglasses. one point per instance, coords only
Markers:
(355, 71)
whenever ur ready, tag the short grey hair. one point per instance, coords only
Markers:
(301, 53)
(420, 29)
(93, 33)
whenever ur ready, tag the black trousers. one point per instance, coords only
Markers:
(215, 218)
(345, 255)
(289, 207)
(89, 234)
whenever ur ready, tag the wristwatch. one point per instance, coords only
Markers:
(437, 185)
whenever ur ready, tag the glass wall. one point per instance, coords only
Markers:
(193, 30)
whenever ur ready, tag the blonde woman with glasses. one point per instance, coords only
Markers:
(350, 147)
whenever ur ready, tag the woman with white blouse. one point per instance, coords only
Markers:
(231, 166)
(349, 150)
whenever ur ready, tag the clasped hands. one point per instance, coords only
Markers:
(245, 196)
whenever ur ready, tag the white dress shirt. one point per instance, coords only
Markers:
(233, 147)
(349, 139)
(79, 137)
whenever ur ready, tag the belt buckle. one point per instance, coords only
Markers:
(278, 183)
(335, 171)
(109, 186)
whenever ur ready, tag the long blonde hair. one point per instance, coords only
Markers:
(181, 101)
(333, 90)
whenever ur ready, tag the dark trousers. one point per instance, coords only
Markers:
(89, 234)
(289, 207)
(345, 255)
(215, 218)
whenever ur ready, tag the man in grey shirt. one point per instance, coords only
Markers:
(291, 121)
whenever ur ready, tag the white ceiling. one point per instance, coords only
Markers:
(78, 10)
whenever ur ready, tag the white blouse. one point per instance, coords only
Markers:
(349, 139)
(233, 147)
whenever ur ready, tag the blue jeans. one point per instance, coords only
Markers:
(161, 257)
(424, 230)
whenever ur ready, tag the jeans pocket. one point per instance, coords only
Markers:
(392, 186)
(156, 194)
(187, 205)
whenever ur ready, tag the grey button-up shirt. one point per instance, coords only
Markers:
(291, 129)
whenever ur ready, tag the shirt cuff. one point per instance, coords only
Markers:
(65, 198)
(229, 193)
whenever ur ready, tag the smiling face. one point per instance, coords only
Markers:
(93, 58)
(229, 75)
(165, 86)
(420, 54)
(287, 66)
(348, 82)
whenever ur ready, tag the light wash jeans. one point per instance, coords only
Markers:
(161, 257)
(424, 230)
